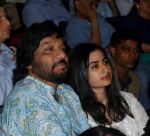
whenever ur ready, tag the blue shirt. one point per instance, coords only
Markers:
(32, 110)
(102, 8)
(7, 66)
(37, 11)
(79, 31)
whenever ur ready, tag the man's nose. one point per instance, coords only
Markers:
(60, 54)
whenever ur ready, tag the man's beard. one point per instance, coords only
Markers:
(42, 70)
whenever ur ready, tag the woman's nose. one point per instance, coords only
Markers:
(105, 68)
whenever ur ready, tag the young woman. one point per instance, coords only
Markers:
(91, 76)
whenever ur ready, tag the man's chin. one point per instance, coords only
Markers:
(60, 68)
(58, 77)
(60, 71)
(131, 66)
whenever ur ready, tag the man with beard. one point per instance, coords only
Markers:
(125, 49)
(40, 104)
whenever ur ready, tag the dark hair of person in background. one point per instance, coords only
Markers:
(123, 34)
(102, 131)
(30, 42)
(117, 106)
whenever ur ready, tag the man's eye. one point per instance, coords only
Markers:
(63, 49)
(126, 50)
(49, 49)
(136, 50)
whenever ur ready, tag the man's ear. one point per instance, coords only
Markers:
(112, 50)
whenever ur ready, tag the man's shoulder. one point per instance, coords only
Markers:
(67, 91)
(64, 88)
(134, 76)
(25, 85)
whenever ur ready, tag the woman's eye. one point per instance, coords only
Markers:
(105, 62)
(95, 66)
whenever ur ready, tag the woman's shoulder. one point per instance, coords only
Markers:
(127, 95)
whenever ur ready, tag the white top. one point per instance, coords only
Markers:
(129, 126)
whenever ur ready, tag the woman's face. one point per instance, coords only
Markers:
(99, 71)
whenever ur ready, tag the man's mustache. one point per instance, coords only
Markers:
(61, 61)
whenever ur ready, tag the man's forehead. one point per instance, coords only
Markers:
(49, 39)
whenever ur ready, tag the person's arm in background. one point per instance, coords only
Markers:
(90, 12)
(113, 7)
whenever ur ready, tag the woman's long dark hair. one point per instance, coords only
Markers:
(78, 79)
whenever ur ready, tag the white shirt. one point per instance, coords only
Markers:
(129, 126)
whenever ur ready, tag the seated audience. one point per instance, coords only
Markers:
(92, 78)
(7, 58)
(87, 25)
(140, 21)
(125, 49)
(36, 11)
(102, 131)
(40, 103)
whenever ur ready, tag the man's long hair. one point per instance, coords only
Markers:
(30, 42)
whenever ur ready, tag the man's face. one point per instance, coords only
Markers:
(144, 7)
(50, 60)
(126, 53)
(4, 26)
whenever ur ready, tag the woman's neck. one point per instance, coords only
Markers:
(100, 95)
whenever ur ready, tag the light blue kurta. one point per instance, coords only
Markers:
(32, 110)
